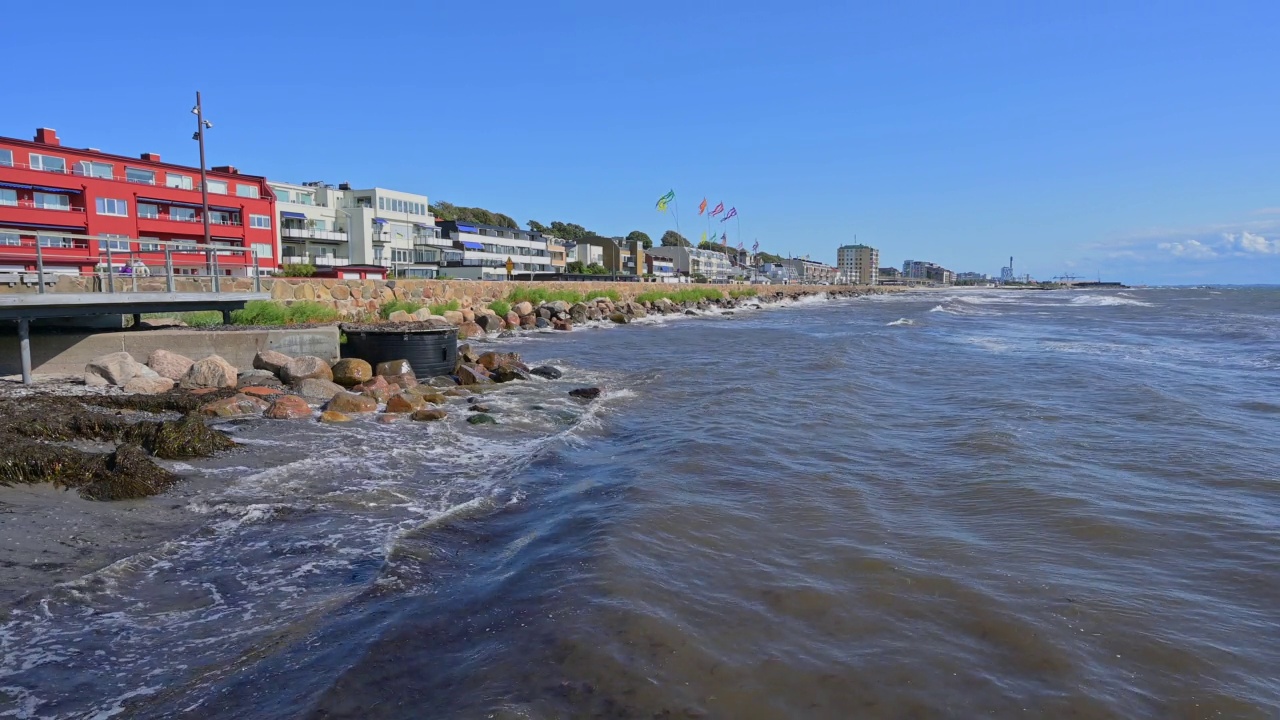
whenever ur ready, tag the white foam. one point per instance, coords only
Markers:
(901, 321)
(1106, 301)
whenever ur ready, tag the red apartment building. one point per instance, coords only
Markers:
(49, 194)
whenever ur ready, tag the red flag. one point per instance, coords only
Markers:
(703, 206)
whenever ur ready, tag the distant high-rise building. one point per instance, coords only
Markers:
(1006, 273)
(858, 264)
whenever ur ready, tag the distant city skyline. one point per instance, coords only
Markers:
(1131, 143)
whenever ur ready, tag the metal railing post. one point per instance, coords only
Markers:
(208, 262)
(168, 267)
(39, 266)
(24, 348)
(216, 271)
(133, 271)
(257, 278)
(111, 273)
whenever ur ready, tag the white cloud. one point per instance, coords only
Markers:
(1191, 249)
(1250, 244)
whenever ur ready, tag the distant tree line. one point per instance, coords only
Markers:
(479, 216)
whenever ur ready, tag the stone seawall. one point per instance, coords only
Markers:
(358, 299)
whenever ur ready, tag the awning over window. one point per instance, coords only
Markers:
(298, 216)
(39, 226)
(472, 245)
(379, 221)
(41, 188)
(466, 228)
(178, 203)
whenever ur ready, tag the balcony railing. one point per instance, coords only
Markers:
(32, 205)
(317, 260)
(313, 234)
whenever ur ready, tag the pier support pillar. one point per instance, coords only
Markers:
(226, 317)
(24, 347)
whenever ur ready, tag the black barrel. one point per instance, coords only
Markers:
(429, 352)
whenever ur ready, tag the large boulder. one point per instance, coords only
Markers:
(586, 393)
(489, 323)
(495, 360)
(470, 330)
(306, 367)
(352, 371)
(558, 306)
(288, 407)
(251, 378)
(405, 403)
(620, 318)
(378, 388)
(522, 308)
(453, 317)
(473, 375)
(578, 313)
(428, 415)
(238, 405)
(271, 361)
(399, 316)
(481, 419)
(333, 416)
(392, 368)
(317, 389)
(210, 372)
(116, 368)
(148, 385)
(169, 365)
(507, 373)
(349, 402)
(561, 324)
(512, 319)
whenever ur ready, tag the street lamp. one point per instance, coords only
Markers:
(201, 126)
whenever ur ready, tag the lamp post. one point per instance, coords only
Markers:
(201, 126)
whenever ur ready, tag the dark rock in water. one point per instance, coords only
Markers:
(690, 312)
(588, 393)
(547, 371)
(561, 324)
(473, 375)
(726, 312)
(507, 334)
(578, 313)
(479, 408)
(495, 360)
(508, 373)
(620, 318)
(542, 323)
(394, 367)
(482, 419)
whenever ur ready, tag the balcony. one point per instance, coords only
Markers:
(307, 234)
(317, 260)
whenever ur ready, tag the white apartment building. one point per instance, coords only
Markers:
(692, 261)
(858, 264)
(323, 225)
(482, 252)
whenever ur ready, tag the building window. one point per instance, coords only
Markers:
(147, 210)
(399, 256)
(142, 177)
(261, 250)
(115, 242)
(260, 221)
(281, 194)
(249, 191)
(218, 217)
(89, 168)
(55, 241)
(182, 182)
(305, 199)
(6, 158)
(10, 239)
(49, 201)
(109, 206)
(182, 214)
(382, 205)
(48, 163)
(8, 197)
(217, 187)
(148, 244)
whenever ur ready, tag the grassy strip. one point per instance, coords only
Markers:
(500, 307)
(260, 312)
(442, 308)
(540, 296)
(682, 295)
(405, 305)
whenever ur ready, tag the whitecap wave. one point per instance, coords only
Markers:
(1106, 301)
(901, 321)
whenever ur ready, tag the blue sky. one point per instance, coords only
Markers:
(1137, 141)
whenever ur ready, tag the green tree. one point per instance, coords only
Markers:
(636, 235)
(576, 267)
(672, 238)
(535, 226)
(569, 231)
(708, 245)
(764, 257)
(448, 211)
(596, 269)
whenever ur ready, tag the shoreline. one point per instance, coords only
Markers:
(51, 535)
